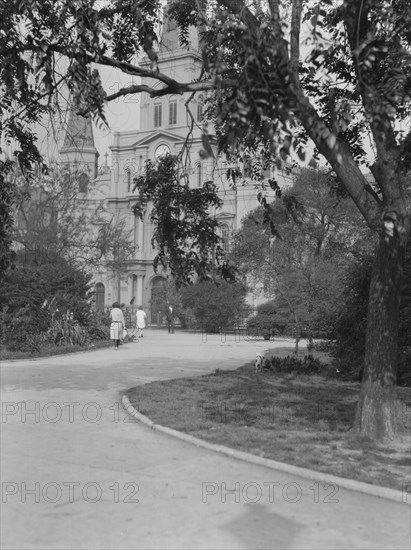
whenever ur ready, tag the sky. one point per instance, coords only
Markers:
(122, 114)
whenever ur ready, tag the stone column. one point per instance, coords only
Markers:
(130, 288)
(140, 235)
(139, 297)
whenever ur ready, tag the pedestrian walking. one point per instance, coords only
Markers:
(117, 324)
(170, 319)
(141, 321)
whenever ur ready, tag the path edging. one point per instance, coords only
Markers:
(351, 484)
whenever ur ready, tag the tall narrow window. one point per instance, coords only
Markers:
(199, 111)
(225, 238)
(172, 118)
(158, 111)
(128, 180)
(199, 174)
(100, 290)
(83, 183)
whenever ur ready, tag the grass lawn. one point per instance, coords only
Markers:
(49, 350)
(299, 419)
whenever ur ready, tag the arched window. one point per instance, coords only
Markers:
(225, 237)
(128, 180)
(100, 296)
(172, 111)
(158, 114)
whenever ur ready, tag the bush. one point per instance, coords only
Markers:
(21, 330)
(216, 306)
(323, 345)
(266, 322)
(64, 330)
(98, 325)
(292, 364)
(42, 303)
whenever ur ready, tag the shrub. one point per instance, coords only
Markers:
(266, 322)
(40, 303)
(292, 364)
(98, 326)
(216, 306)
(64, 330)
(21, 330)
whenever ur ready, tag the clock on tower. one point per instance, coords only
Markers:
(161, 151)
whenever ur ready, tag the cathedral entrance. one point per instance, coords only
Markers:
(157, 300)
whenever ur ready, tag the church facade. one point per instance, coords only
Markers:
(164, 126)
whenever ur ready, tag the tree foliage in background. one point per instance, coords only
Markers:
(57, 237)
(116, 248)
(54, 217)
(300, 260)
(267, 321)
(37, 294)
(216, 307)
(168, 295)
(357, 76)
(184, 229)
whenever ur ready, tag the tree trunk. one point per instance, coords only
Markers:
(376, 408)
(118, 288)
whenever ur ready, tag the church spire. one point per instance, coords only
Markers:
(79, 131)
(78, 147)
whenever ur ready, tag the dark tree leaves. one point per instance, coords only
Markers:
(185, 233)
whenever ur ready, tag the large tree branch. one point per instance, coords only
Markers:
(135, 70)
(337, 153)
(179, 88)
(358, 29)
(295, 36)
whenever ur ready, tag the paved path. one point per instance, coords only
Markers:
(77, 473)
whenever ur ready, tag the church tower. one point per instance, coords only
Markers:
(181, 63)
(78, 150)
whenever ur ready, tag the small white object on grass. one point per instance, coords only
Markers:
(259, 357)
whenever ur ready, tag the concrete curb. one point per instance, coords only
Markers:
(359, 486)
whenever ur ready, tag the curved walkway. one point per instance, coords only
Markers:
(79, 472)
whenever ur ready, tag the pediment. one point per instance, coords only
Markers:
(158, 136)
(224, 215)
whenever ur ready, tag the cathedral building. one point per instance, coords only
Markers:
(164, 126)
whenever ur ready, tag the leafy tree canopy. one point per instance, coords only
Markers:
(184, 230)
(266, 95)
(296, 248)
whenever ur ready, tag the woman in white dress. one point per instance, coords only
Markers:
(141, 321)
(117, 324)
